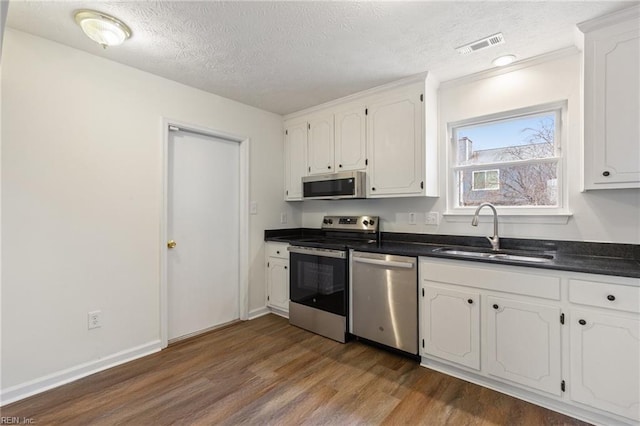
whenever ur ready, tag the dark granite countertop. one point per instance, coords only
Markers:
(595, 258)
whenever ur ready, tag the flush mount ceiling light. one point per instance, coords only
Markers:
(102, 28)
(503, 60)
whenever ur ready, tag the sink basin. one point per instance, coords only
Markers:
(500, 255)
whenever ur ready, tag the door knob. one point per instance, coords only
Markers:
(171, 244)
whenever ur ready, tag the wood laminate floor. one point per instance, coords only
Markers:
(265, 371)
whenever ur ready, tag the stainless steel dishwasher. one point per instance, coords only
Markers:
(384, 300)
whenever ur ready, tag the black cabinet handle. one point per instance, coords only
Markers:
(611, 297)
(340, 165)
(606, 173)
(495, 306)
(328, 167)
(373, 189)
(582, 322)
(470, 301)
(286, 267)
(278, 252)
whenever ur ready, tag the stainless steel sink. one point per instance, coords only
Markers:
(499, 255)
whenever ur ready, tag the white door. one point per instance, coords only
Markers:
(320, 145)
(523, 343)
(395, 145)
(351, 139)
(203, 220)
(605, 362)
(451, 325)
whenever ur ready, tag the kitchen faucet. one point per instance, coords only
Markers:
(495, 240)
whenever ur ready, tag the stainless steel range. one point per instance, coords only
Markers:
(319, 274)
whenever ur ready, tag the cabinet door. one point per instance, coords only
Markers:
(451, 325)
(351, 141)
(612, 106)
(278, 283)
(605, 362)
(523, 343)
(320, 145)
(295, 156)
(395, 145)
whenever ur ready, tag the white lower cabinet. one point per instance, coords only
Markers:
(523, 343)
(567, 341)
(277, 272)
(451, 324)
(605, 362)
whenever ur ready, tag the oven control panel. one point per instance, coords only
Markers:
(351, 223)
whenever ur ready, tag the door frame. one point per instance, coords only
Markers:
(243, 273)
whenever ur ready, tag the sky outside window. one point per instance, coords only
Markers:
(504, 133)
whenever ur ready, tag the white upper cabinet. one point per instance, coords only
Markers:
(380, 131)
(612, 101)
(320, 155)
(395, 144)
(295, 159)
(350, 139)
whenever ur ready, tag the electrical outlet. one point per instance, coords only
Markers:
(95, 319)
(283, 217)
(253, 207)
(412, 218)
(432, 218)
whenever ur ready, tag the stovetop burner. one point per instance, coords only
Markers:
(342, 231)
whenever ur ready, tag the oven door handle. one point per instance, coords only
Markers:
(312, 251)
(390, 263)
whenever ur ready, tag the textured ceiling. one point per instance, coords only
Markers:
(286, 56)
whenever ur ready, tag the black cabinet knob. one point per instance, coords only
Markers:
(606, 173)
(328, 167)
(582, 322)
(286, 267)
(495, 306)
(277, 251)
(470, 301)
(373, 189)
(611, 297)
(340, 165)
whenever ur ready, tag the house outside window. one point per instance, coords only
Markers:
(486, 180)
(512, 160)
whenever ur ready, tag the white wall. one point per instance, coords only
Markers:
(604, 216)
(81, 198)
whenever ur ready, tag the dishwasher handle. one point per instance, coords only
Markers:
(390, 263)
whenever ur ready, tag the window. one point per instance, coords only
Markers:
(511, 159)
(486, 180)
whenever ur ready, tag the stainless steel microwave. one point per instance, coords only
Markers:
(334, 186)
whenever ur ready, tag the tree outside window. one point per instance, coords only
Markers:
(511, 161)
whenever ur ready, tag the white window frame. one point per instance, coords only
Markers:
(473, 179)
(511, 214)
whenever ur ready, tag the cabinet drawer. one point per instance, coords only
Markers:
(605, 295)
(506, 279)
(277, 250)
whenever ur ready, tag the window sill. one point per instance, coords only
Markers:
(555, 217)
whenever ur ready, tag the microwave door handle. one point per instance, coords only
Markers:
(391, 263)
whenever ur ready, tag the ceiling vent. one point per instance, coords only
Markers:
(484, 43)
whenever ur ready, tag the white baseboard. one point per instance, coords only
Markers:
(50, 381)
(256, 313)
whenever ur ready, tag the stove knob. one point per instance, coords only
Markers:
(330, 221)
(371, 222)
(325, 221)
(365, 222)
